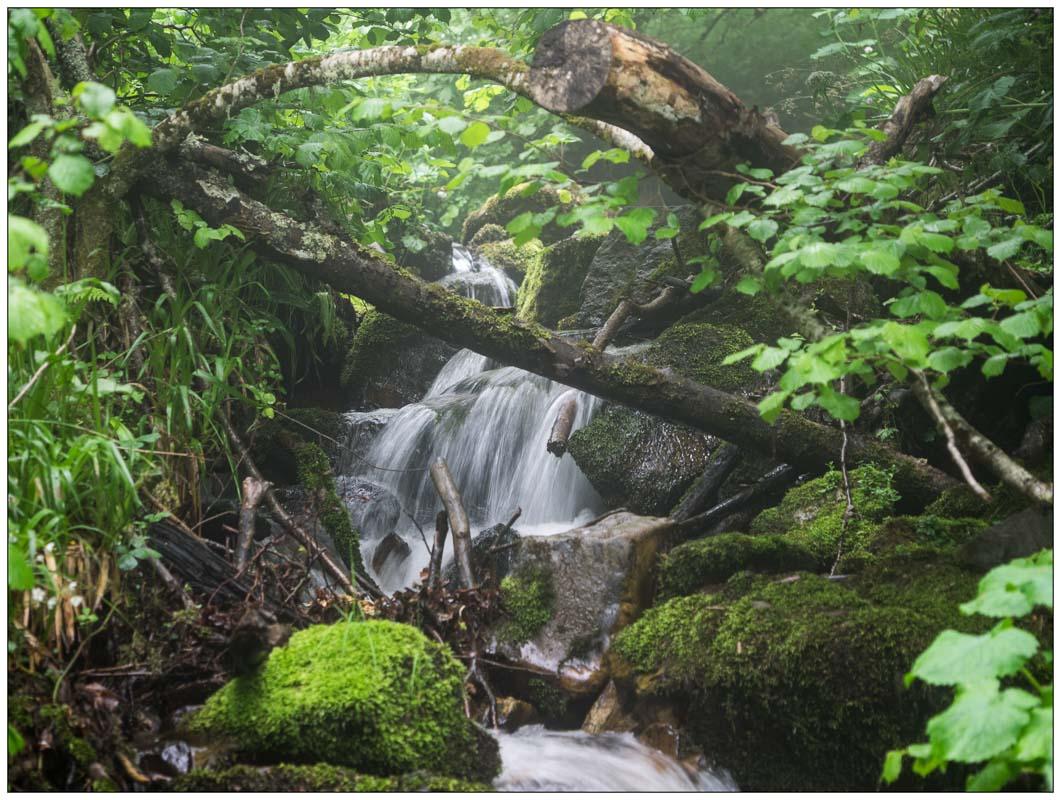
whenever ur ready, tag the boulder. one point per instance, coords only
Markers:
(569, 593)
(489, 233)
(520, 199)
(391, 363)
(373, 509)
(606, 715)
(516, 262)
(1018, 536)
(313, 778)
(358, 429)
(376, 696)
(425, 252)
(513, 713)
(391, 552)
(550, 289)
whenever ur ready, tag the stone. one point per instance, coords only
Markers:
(513, 713)
(661, 736)
(373, 509)
(431, 259)
(1018, 536)
(391, 551)
(597, 579)
(357, 431)
(606, 715)
(501, 209)
(489, 233)
(550, 289)
(515, 261)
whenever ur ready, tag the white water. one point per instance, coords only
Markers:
(491, 424)
(535, 759)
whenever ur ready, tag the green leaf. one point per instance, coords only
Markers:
(992, 777)
(27, 242)
(762, 229)
(734, 193)
(769, 358)
(748, 285)
(475, 134)
(1023, 325)
(1037, 740)
(856, 184)
(26, 135)
(96, 99)
(1007, 248)
(960, 658)
(714, 219)
(1014, 589)
(880, 260)
(72, 174)
(949, 358)
(771, 405)
(995, 365)
(747, 352)
(981, 723)
(1010, 205)
(893, 766)
(19, 568)
(908, 342)
(31, 312)
(936, 242)
(635, 224)
(452, 125)
(162, 80)
(703, 280)
(818, 254)
(840, 406)
(597, 225)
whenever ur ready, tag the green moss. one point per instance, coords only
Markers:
(812, 515)
(77, 747)
(315, 474)
(314, 778)
(521, 198)
(673, 639)
(692, 565)
(376, 696)
(527, 596)
(374, 344)
(758, 316)
(550, 290)
(961, 502)
(550, 701)
(489, 233)
(517, 261)
(696, 350)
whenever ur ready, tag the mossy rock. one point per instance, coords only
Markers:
(314, 778)
(697, 350)
(270, 447)
(714, 559)
(522, 198)
(376, 696)
(638, 461)
(812, 514)
(757, 316)
(796, 685)
(549, 291)
(960, 501)
(516, 261)
(391, 363)
(527, 596)
(425, 252)
(489, 233)
(315, 475)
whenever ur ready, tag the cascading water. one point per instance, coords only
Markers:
(491, 424)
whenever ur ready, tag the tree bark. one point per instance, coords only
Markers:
(434, 572)
(458, 521)
(911, 109)
(349, 267)
(704, 491)
(561, 432)
(696, 127)
(253, 492)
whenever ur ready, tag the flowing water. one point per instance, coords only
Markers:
(490, 423)
(536, 759)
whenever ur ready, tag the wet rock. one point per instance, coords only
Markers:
(390, 552)
(489, 233)
(569, 593)
(606, 715)
(358, 429)
(513, 713)
(550, 289)
(502, 209)
(1020, 535)
(390, 363)
(425, 252)
(373, 509)
(621, 269)
(494, 549)
(515, 261)
(661, 736)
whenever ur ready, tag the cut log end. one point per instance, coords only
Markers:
(571, 65)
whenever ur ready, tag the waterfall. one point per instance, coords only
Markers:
(491, 424)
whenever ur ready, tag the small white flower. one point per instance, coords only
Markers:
(48, 548)
(51, 603)
(72, 585)
(38, 594)
(76, 601)
(867, 49)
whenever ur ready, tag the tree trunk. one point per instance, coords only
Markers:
(696, 127)
(561, 432)
(349, 267)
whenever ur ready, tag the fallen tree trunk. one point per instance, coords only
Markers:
(561, 432)
(349, 267)
(704, 491)
(458, 521)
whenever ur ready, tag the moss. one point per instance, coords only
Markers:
(489, 233)
(273, 439)
(570, 322)
(696, 350)
(961, 502)
(550, 700)
(671, 640)
(315, 474)
(377, 337)
(314, 778)
(550, 290)
(527, 596)
(517, 261)
(376, 696)
(77, 747)
(692, 565)
(812, 514)
(520, 199)
(758, 316)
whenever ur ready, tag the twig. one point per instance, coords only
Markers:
(458, 521)
(849, 509)
(40, 370)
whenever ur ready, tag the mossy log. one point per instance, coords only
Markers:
(349, 267)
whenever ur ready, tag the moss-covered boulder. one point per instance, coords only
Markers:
(391, 363)
(515, 261)
(550, 289)
(638, 461)
(522, 198)
(812, 514)
(796, 684)
(693, 565)
(314, 778)
(426, 252)
(697, 350)
(375, 696)
(489, 233)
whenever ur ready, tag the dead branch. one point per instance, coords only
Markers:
(253, 493)
(434, 572)
(770, 483)
(704, 491)
(565, 419)
(911, 109)
(667, 297)
(458, 521)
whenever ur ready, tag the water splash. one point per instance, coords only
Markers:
(535, 759)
